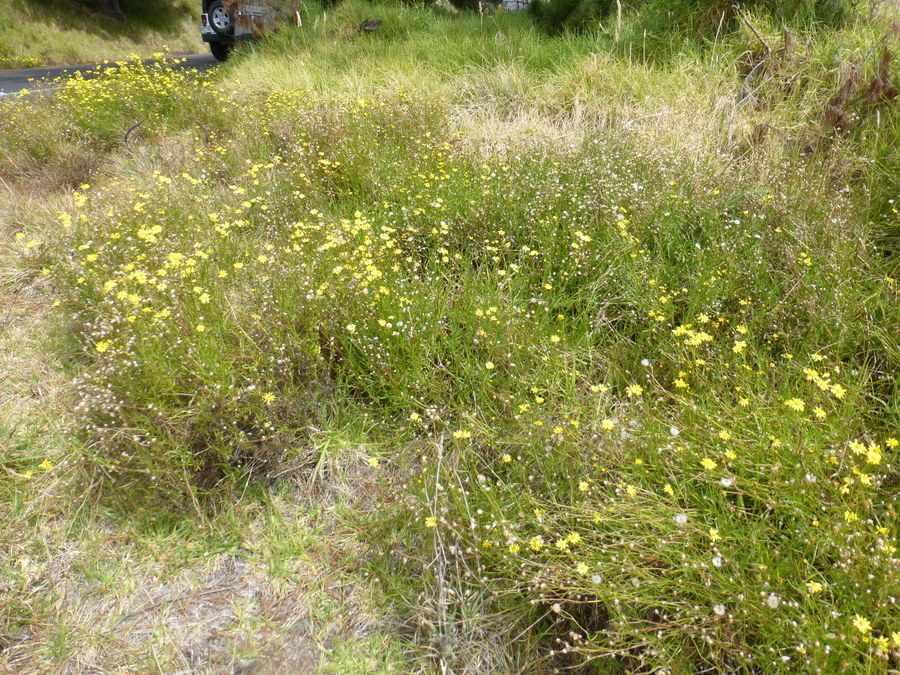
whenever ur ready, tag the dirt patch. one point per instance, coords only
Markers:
(97, 601)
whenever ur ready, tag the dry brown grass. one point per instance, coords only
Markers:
(102, 606)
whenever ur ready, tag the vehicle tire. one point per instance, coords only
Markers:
(221, 50)
(220, 18)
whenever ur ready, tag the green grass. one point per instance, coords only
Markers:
(591, 354)
(670, 24)
(64, 32)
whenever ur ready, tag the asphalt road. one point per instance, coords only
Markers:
(13, 81)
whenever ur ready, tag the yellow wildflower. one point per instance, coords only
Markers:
(857, 448)
(861, 624)
(795, 404)
(873, 454)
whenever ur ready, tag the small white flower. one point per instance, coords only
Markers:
(717, 561)
(674, 431)
(773, 601)
(681, 519)
(596, 579)
(810, 478)
(719, 609)
(726, 482)
(645, 362)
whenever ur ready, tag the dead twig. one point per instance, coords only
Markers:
(785, 298)
(440, 558)
(760, 129)
(130, 131)
(737, 8)
(618, 18)
(749, 94)
(893, 32)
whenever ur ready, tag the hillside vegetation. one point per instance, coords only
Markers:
(65, 32)
(572, 351)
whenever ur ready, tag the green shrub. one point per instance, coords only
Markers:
(555, 16)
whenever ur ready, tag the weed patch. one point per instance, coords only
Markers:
(620, 388)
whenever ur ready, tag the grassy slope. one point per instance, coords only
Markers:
(563, 280)
(62, 32)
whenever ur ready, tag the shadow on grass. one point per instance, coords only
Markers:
(141, 16)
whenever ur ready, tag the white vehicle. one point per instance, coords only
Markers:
(225, 23)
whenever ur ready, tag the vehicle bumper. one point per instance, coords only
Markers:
(205, 29)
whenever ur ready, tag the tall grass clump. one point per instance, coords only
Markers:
(631, 393)
(689, 19)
